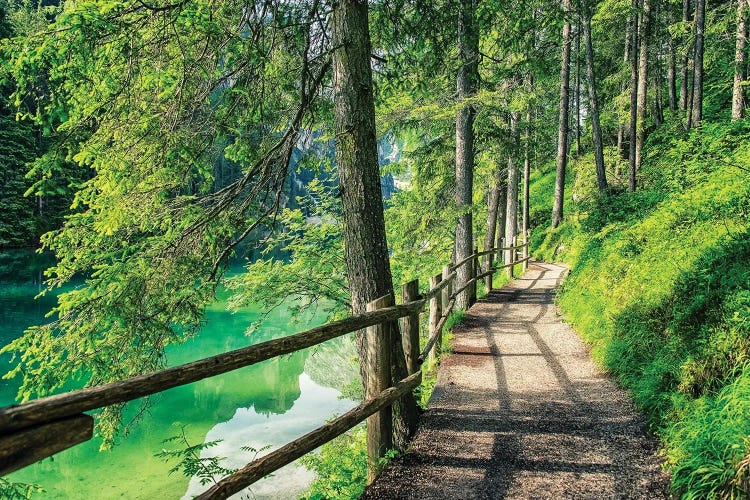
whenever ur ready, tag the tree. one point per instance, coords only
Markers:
(511, 207)
(596, 129)
(366, 248)
(634, 86)
(467, 85)
(738, 93)
(696, 116)
(685, 62)
(562, 136)
(644, 33)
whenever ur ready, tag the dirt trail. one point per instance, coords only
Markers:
(521, 411)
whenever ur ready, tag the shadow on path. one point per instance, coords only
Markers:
(520, 411)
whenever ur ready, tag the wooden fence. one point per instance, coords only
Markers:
(35, 430)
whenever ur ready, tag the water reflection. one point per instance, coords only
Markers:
(249, 427)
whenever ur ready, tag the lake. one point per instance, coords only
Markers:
(267, 404)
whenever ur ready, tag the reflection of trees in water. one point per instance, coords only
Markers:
(333, 364)
(270, 387)
(24, 266)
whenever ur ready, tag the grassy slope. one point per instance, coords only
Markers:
(660, 288)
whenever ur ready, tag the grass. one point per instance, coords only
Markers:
(660, 288)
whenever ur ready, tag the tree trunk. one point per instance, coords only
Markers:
(527, 170)
(601, 174)
(467, 85)
(738, 94)
(672, 76)
(685, 59)
(644, 32)
(578, 86)
(368, 266)
(493, 198)
(633, 96)
(658, 100)
(511, 207)
(622, 125)
(501, 210)
(562, 136)
(700, 23)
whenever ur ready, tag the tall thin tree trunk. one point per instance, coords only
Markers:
(658, 101)
(738, 94)
(684, 69)
(622, 125)
(633, 96)
(467, 85)
(578, 84)
(644, 31)
(700, 23)
(493, 198)
(672, 76)
(511, 207)
(501, 208)
(367, 261)
(601, 174)
(527, 170)
(562, 136)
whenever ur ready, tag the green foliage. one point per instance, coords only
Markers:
(145, 100)
(660, 287)
(189, 460)
(312, 266)
(18, 491)
(341, 467)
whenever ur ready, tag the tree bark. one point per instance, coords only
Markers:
(493, 198)
(562, 136)
(672, 76)
(644, 33)
(622, 126)
(511, 207)
(601, 174)
(658, 100)
(577, 96)
(467, 85)
(700, 23)
(684, 69)
(738, 94)
(501, 210)
(367, 261)
(527, 169)
(633, 96)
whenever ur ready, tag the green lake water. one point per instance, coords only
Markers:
(269, 403)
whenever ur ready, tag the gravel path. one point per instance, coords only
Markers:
(521, 411)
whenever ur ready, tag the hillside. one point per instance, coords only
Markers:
(660, 289)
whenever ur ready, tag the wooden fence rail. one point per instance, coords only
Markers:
(37, 429)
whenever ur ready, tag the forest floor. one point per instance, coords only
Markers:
(521, 411)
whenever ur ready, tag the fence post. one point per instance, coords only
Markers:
(488, 264)
(511, 257)
(448, 290)
(436, 310)
(475, 268)
(525, 250)
(410, 327)
(379, 425)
